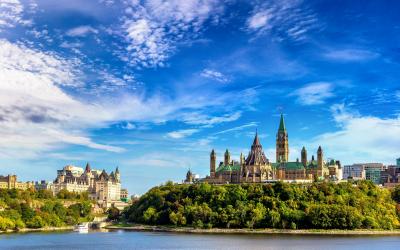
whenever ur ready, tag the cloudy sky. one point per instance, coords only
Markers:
(152, 86)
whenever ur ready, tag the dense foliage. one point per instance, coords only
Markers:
(36, 209)
(279, 205)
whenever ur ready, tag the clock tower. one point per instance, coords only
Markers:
(282, 143)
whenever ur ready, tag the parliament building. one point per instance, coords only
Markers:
(256, 167)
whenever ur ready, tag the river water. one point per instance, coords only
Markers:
(149, 240)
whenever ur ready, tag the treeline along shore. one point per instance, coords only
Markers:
(30, 210)
(322, 206)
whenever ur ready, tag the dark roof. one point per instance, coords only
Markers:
(256, 140)
(256, 155)
(189, 173)
(103, 175)
(87, 169)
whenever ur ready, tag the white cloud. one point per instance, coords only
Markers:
(259, 20)
(35, 113)
(215, 75)
(10, 13)
(351, 55)
(162, 159)
(197, 118)
(129, 126)
(238, 128)
(361, 138)
(153, 27)
(81, 31)
(398, 94)
(38, 112)
(69, 45)
(314, 93)
(282, 18)
(182, 133)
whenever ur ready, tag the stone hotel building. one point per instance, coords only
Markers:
(101, 187)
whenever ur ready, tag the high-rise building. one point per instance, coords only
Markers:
(398, 162)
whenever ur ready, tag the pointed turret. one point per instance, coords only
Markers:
(87, 168)
(117, 175)
(282, 124)
(189, 176)
(256, 140)
(103, 175)
(256, 155)
(320, 158)
(213, 162)
(227, 159)
(304, 156)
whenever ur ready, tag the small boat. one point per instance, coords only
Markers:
(82, 228)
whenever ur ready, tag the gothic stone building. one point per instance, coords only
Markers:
(101, 187)
(257, 168)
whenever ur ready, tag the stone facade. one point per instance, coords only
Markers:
(10, 182)
(101, 187)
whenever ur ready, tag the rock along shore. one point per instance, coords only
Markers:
(138, 227)
(43, 229)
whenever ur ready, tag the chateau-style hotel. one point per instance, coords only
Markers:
(256, 167)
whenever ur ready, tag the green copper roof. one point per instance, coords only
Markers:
(224, 168)
(312, 164)
(282, 124)
(289, 165)
(294, 165)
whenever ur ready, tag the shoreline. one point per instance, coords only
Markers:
(148, 228)
(43, 229)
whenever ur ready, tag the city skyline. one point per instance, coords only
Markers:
(152, 87)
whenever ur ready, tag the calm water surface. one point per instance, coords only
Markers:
(150, 240)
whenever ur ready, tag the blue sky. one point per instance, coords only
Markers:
(152, 86)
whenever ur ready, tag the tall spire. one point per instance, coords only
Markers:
(282, 124)
(256, 140)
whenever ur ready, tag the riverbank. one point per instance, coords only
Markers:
(43, 229)
(139, 227)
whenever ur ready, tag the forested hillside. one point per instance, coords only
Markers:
(279, 205)
(36, 209)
